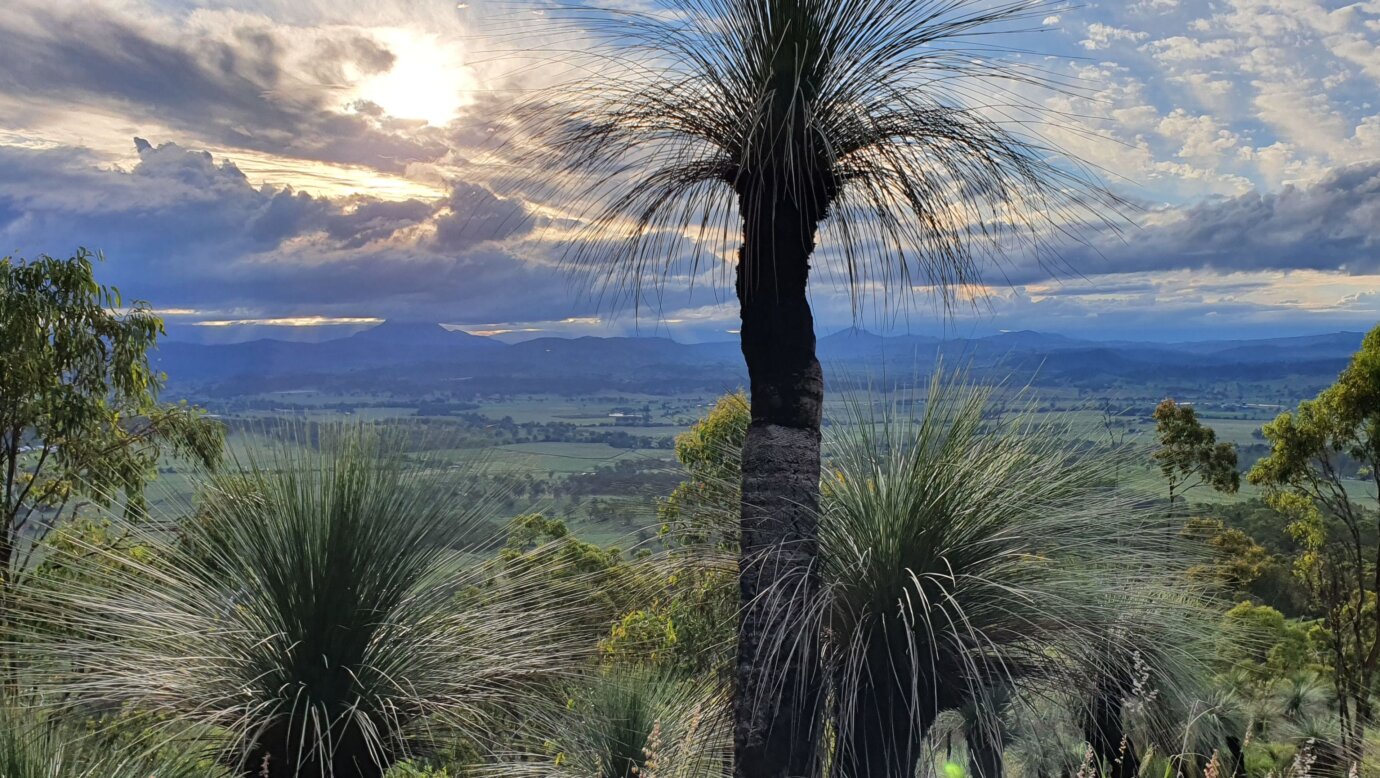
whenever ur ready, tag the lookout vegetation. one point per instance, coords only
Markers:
(991, 603)
(938, 583)
(992, 600)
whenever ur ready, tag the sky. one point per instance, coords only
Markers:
(303, 169)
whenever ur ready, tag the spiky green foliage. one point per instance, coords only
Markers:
(635, 722)
(1217, 725)
(1145, 687)
(963, 552)
(36, 745)
(1044, 739)
(1300, 695)
(895, 121)
(317, 616)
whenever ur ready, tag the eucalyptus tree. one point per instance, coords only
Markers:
(750, 133)
(80, 418)
(79, 410)
(1321, 474)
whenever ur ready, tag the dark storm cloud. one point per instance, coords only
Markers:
(1330, 225)
(233, 88)
(373, 220)
(476, 215)
(171, 208)
(184, 230)
(483, 285)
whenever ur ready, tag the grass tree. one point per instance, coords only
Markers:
(631, 722)
(759, 131)
(964, 554)
(319, 616)
(35, 745)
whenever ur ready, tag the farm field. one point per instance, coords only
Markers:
(548, 440)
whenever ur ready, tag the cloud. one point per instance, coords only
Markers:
(1101, 36)
(1266, 108)
(474, 215)
(363, 221)
(187, 231)
(234, 80)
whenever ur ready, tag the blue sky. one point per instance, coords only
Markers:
(306, 168)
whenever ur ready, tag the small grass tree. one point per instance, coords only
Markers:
(325, 615)
(966, 559)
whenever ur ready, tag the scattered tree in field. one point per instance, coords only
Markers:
(1118, 430)
(768, 129)
(1189, 455)
(1336, 520)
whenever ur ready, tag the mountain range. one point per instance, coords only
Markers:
(409, 355)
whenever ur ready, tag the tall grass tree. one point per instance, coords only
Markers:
(750, 133)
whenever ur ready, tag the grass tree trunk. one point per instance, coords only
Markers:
(1105, 730)
(284, 752)
(1236, 750)
(878, 732)
(985, 757)
(776, 733)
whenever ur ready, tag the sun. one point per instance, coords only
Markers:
(428, 80)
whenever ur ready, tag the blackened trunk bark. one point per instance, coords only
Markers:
(9, 663)
(1237, 751)
(777, 705)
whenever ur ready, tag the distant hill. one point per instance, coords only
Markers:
(418, 354)
(420, 335)
(386, 344)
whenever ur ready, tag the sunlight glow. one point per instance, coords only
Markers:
(509, 331)
(293, 321)
(428, 81)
